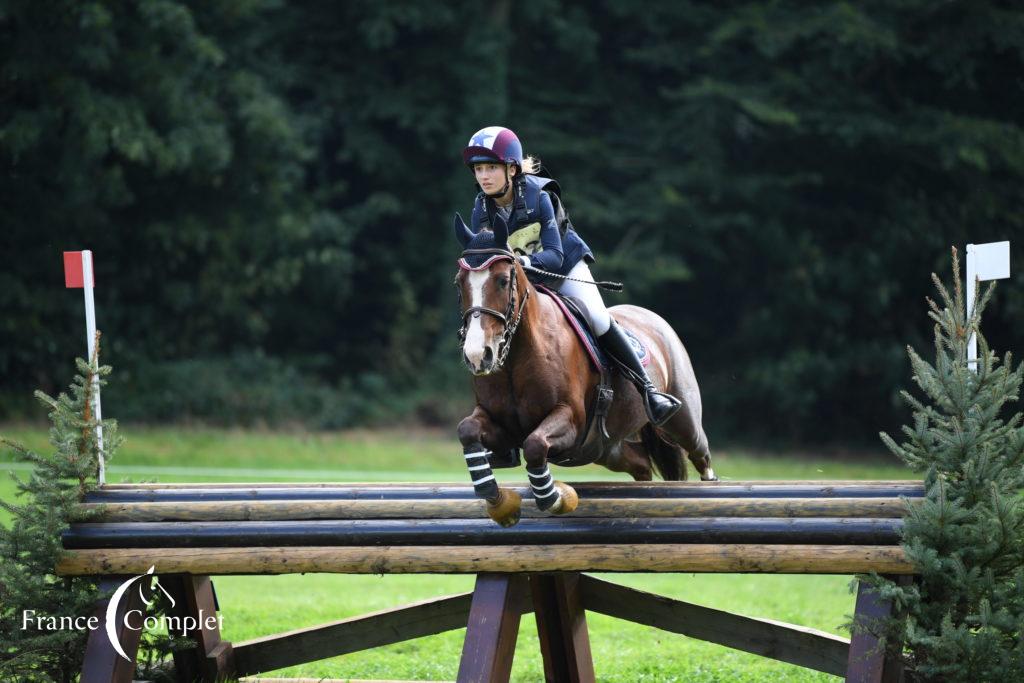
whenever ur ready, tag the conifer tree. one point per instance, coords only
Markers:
(31, 546)
(963, 618)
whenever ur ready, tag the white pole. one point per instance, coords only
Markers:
(90, 340)
(972, 275)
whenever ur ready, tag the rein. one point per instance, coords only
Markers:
(604, 284)
(510, 323)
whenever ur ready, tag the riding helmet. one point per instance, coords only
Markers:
(493, 144)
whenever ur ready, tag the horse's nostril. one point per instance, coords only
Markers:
(488, 356)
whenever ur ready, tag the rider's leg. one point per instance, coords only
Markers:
(660, 406)
(589, 298)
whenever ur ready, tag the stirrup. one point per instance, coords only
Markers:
(670, 405)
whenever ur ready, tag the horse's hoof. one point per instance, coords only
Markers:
(567, 499)
(506, 510)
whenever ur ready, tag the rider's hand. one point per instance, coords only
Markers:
(525, 260)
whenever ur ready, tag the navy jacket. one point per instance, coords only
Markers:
(533, 229)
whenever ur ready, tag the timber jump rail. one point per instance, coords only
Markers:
(191, 532)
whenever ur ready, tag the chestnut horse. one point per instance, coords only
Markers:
(534, 383)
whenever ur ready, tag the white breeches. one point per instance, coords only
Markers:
(589, 298)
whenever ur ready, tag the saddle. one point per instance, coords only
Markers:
(597, 413)
(579, 324)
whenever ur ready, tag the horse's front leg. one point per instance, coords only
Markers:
(480, 436)
(557, 432)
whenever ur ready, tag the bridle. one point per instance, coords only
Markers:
(511, 318)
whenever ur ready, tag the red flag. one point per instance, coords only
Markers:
(74, 277)
(74, 274)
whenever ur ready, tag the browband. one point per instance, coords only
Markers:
(498, 255)
(485, 265)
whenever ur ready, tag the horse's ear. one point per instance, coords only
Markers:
(462, 233)
(500, 228)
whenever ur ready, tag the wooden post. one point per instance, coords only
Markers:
(493, 628)
(869, 662)
(562, 627)
(102, 664)
(212, 659)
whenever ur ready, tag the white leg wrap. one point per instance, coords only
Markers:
(543, 486)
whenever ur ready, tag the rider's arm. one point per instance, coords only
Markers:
(550, 259)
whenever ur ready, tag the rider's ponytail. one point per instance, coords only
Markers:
(531, 165)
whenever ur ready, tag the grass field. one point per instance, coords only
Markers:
(256, 606)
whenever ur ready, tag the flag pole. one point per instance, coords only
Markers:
(90, 340)
(972, 282)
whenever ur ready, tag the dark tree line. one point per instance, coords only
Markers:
(268, 189)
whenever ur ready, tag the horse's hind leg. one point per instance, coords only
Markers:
(633, 459)
(685, 429)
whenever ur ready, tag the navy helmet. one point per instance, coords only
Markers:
(493, 144)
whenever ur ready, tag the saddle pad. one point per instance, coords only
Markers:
(578, 323)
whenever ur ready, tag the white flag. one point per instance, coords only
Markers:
(990, 261)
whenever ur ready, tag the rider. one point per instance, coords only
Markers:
(510, 188)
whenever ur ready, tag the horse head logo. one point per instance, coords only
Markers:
(115, 601)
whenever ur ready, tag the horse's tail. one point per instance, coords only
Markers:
(666, 457)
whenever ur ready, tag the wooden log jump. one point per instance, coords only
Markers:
(190, 532)
(648, 558)
(586, 490)
(300, 509)
(450, 532)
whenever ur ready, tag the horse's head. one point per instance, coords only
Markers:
(492, 293)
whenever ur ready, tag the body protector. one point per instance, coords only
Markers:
(536, 228)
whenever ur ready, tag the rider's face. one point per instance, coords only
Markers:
(491, 177)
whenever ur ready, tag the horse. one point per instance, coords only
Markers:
(534, 381)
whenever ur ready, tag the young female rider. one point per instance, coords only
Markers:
(510, 188)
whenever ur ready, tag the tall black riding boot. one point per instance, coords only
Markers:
(660, 407)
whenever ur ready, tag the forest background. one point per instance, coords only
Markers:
(268, 190)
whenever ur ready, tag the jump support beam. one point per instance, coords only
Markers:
(491, 614)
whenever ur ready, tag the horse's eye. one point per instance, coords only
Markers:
(503, 282)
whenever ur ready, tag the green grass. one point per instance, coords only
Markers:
(255, 606)
(415, 454)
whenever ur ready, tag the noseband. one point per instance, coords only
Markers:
(509, 322)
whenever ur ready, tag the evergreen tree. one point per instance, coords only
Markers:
(31, 547)
(964, 616)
